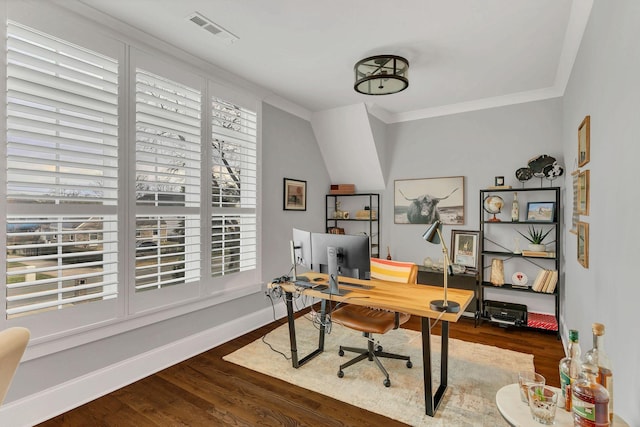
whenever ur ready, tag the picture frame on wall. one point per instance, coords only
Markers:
(465, 245)
(575, 214)
(295, 195)
(425, 200)
(541, 211)
(583, 244)
(584, 141)
(583, 192)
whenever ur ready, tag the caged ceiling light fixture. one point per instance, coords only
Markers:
(381, 75)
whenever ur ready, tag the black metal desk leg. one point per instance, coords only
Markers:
(444, 355)
(432, 401)
(288, 296)
(323, 319)
(426, 366)
(292, 333)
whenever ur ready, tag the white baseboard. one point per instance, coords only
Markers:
(54, 401)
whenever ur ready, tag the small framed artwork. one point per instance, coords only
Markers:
(583, 244)
(575, 214)
(295, 195)
(541, 211)
(584, 131)
(425, 200)
(583, 192)
(464, 248)
(499, 181)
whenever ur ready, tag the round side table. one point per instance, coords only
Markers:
(517, 413)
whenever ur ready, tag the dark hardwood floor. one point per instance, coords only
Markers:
(207, 391)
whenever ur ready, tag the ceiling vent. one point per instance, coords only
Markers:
(215, 29)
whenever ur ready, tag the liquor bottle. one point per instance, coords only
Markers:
(590, 400)
(598, 357)
(515, 208)
(570, 368)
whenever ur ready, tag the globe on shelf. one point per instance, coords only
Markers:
(493, 205)
(523, 175)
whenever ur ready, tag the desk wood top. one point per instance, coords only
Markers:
(407, 298)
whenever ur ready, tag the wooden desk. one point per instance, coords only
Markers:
(469, 281)
(406, 298)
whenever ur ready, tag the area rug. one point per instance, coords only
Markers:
(476, 373)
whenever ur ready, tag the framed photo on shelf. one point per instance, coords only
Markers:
(425, 200)
(465, 245)
(583, 192)
(541, 211)
(584, 131)
(583, 244)
(295, 195)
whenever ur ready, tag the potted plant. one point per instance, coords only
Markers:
(535, 238)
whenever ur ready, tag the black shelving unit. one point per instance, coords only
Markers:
(490, 249)
(372, 224)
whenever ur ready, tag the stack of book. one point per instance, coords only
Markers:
(366, 214)
(342, 189)
(539, 254)
(546, 281)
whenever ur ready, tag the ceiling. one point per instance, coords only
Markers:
(463, 54)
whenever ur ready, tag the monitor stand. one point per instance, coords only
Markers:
(332, 269)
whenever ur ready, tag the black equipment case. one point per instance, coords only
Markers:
(506, 313)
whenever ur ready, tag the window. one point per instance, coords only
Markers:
(168, 160)
(233, 188)
(62, 173)
(89, 218)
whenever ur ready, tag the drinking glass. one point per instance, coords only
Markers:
(527, 378)
(543, 402)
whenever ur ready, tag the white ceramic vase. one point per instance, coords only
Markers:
(537, 248)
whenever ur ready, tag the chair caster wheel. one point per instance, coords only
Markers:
(378, 348)
(387, 383)
(340, 374)
(340, 352)
(409, 364)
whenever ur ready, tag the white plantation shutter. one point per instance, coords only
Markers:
(56, 262)
(234, 188)
(168, 159)
(167, 142)
(62, 173)
(62, 121)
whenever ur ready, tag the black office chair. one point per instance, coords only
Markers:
(371, 321)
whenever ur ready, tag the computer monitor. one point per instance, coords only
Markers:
(302, 246)
(300, 250)
(352, 253)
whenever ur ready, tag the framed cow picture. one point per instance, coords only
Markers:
(425, 200)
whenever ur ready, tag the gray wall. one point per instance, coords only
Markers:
(36, 375)
(604, 84)
(477, 145)
(290, 151)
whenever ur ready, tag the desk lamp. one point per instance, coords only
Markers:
(433, 235)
